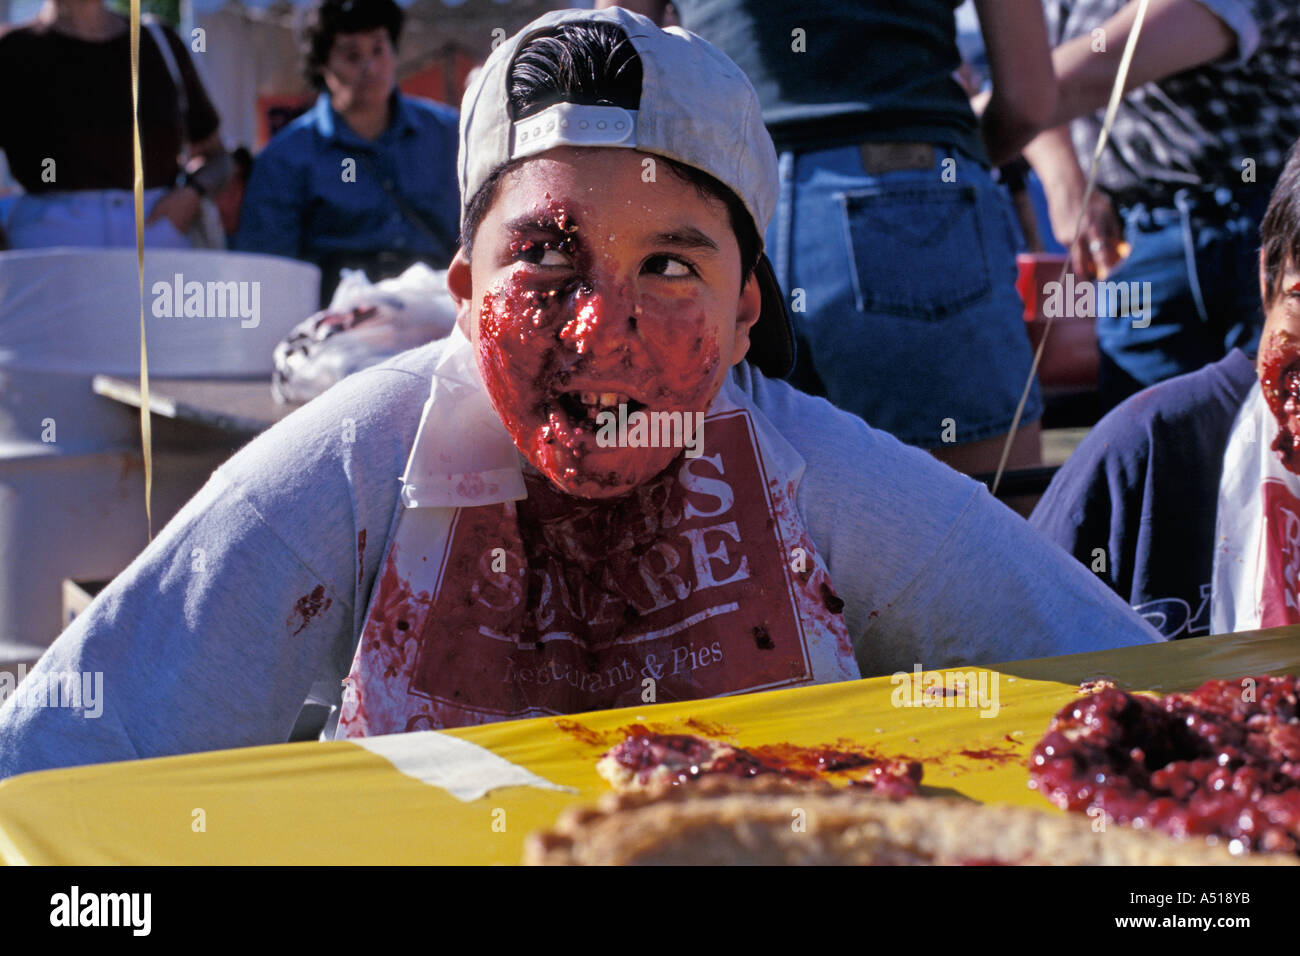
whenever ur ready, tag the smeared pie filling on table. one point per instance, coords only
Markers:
(1208, 777)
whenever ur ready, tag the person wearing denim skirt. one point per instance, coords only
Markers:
(910, 316)
(893, 243)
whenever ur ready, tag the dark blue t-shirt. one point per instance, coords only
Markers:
(832, 72)
(1136, 502)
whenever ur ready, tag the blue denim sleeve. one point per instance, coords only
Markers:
(251, 595)
(271, 217)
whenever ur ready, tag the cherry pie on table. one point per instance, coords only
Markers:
(1206, 777)
(1222, 761)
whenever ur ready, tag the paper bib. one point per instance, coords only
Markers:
(1256, 579)
(726, 595)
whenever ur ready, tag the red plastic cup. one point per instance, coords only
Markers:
(1033, 271)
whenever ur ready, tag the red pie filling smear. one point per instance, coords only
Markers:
(1222, 761)
(556, 352)
(1280, 381)
(687, 758)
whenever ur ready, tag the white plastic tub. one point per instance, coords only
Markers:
(73, 507)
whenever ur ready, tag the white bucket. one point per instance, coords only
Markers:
(67, 315)
(79, 517)
(71, 485)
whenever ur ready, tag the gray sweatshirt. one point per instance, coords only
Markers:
(204, 642)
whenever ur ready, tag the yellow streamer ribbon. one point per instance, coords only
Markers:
(1116, 95)
(146, 438)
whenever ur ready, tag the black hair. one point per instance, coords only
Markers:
(595, 64)
(1279, 232)
(332, 17)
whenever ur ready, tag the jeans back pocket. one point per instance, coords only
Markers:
(917, 251)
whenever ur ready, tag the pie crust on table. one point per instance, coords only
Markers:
(766, 821)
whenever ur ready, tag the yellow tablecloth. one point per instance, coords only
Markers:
(336, 802)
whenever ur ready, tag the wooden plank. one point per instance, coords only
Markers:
(242, 406)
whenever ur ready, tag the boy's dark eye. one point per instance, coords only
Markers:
(670, 267)
(539, 253)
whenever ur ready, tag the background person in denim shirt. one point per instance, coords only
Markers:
(366, 178)
(891, 238)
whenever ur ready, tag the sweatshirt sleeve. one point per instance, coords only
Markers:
(1094, 506)
(210, 639)
(933, 570)
(951, 576)
(1084, 511)
(993, 590)
(215, 635)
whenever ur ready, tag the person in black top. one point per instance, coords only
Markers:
(1139, 500)
(893, 242)
(66, 130)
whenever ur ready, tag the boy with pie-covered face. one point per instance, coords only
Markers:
(585, 295)
(1185, 499)
(615, 180)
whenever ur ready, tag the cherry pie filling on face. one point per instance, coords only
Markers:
(1220, 761)
(1280, 380)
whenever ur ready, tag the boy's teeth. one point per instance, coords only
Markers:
(605, 399)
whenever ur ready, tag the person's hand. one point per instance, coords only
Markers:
(181, 206)
(1098, 250)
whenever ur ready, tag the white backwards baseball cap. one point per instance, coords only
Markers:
(696, 108)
